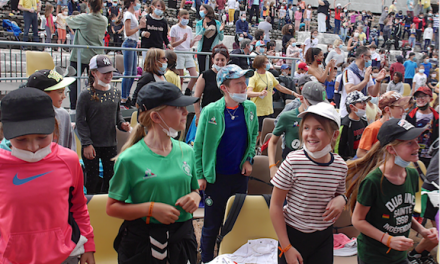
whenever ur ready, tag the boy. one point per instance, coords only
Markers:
(54, 85)
(288, 123)
(410, 68)
(427, 36)
(426, 64)
(419, 79)
(352, 125)
(224, 149)
(375, 57)
(374, 73)
(302, 70)
(421, 116)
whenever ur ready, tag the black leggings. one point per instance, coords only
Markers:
(94, 183)
(362, 262)
(316, 247)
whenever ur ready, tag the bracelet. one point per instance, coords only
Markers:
(345, 198)
(388, 243)
(150, 212)
(382, 237)
(284, 250)
(273, 165)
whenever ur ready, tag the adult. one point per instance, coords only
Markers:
(89, 31)
(212, 32)
(357, 77)
(245, 49)
(388, 23)
(398, 67)
(73, 5)
(155, 33)
(322, 15)
(337, 54)
(312, 41)
(314, 58)
(288, 32)
(383, 16)
(410, 68)
(410, 8)
(267, 27)
(206, 86)
(242, 27)
(254, 7)
(353, 43)
(31, 9)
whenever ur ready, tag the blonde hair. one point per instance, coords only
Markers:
(151, 60)
(329, 126)
(48, 10)
(359, 169)
(336, 42)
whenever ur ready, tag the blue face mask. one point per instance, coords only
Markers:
(294, 44)
(163, 68)
(243, 19)
(238, 97)
(341, 46)
(202, 14)
(184, 22)
(414, 58)
(218, 68)
(137, 7)
(267, 66)
(240, 39)
(261, 50)
(367, 63)
(115, 4)
(251, 48)
(399, 161)
(158, 12)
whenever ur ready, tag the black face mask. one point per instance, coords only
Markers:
(291, 30)
(423, 108)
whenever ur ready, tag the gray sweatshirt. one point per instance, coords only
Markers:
(66, 136)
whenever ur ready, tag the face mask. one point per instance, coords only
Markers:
(261, 50)
(423, 108)
(414, 59)
(164, 67)
(65, 13)
(290, 30)
(30, 156)
(430, 14)
(318, 154)
(429, 48)
(356, 35)
(158, 12)
(345, 10)
(433, 75)
(314, 36)
(171, 132)
(113, 21)
(202, 14)
(294, 44)
(103, 84)
(399, 161)
(319, 61)
(115, 4)
(421, 70)
(363, 14)
(238, 97)
(360, 112)
(374, 75)
(184, 22)
(137, 7)
(243, 19)
(251, 48)
(341, 46)
(240, 39)
(216, 67)
(367, 64)
(267, 66)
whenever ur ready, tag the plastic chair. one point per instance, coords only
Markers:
(37, 60)
(133, 119)
(383, 88)
(253, 222)
(434, 96)
(268, 126)
(407, 89)
(418, 206)
(260, 170)
(78, 146)
(105, 229)
(119, 65)
(266, 138)
(121, 138)
(343, 225)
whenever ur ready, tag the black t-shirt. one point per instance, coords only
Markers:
(114, 10)
(212, 92)
(158, 29)
(323, 8)
(207, 42)
(117, 27)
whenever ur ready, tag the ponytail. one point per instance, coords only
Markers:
(92, 88)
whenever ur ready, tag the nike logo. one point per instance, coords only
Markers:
(17, 181)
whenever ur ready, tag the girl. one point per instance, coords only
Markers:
(412, 36)
(345, 26)
(304, 225)
(292, 51)
(312, 41)
(155, 66)
(155, 188)
(231, 6)
(419, 79)
(381, 192)
(272, 10)
(98, 114)
(61, 24)
(50, 27)
(307, 17)
(337, 53)
(288, 32)
(302, 5)
(131, 34)
(117, 28)
(171, 74)
(206, 87)
(155, 34)
(314, 57)
(353, 43)
(396, 84)
(298, 17)
(43, 213)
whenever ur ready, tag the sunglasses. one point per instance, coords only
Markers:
(220, 50)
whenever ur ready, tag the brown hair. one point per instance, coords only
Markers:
(285, 30)
(95, 5)
(259, 61)
(310, 55)
(92, 88)
(153, 3)
(127, 3)
(172, 60)
(330, 126)
(183, 12)
(151, 60)
(48, 10)
(222, 49)
(210, 14)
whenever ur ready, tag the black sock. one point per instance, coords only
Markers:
(425, 253)
(413, 252)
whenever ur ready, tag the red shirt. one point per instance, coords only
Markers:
(221, 4)
(337, 13)
(397, 67)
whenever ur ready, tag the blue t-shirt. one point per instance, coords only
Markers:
(234, 142)
(410, 69)
(330, 89)
(428, 67)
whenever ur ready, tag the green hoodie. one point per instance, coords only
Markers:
(210, 131)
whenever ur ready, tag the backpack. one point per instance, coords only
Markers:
(11, 27)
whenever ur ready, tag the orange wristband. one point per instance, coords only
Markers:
(273, 165)
(382, 237)
(150, 212)
(284, 250)
(388, 243)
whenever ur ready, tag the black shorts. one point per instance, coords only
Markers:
(430, 210)
(260, 121)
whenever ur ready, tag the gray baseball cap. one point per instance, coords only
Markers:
(314, 92)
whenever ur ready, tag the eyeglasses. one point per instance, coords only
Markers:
(421, 96)
(163, 58)
(220, 50)
(368, 56)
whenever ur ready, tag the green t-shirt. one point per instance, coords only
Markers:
(144, 176)
(391, 208)
(289, 124)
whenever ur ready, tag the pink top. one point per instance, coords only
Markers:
(298, 15)
(40, 203)
(49, 18)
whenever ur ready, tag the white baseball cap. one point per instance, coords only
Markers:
(325, 110)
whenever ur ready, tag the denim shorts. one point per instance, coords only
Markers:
(62, 2)
(129, 43)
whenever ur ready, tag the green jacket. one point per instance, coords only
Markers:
(210, 131)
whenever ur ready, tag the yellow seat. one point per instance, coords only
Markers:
(434, 96)
(260, 170)
(105, 229)
(133, 120)
(253, 222)
(418, 206)
(407, 89)
(36, 60)
(121, 138)
(78, 146)
(268, 126)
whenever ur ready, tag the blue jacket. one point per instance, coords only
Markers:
(200, 30)
(241, 27)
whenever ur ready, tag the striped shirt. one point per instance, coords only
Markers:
(310, 187)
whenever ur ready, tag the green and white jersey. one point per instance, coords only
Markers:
(391, 208)
(289, 124)
(144, 176)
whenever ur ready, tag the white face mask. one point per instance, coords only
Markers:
(103, 84)
(356, 35)
(171, 132)
(30, 156)
(318, 154)
(360, 112)
(238, 97)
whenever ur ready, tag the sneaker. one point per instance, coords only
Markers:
(415, 259)
(428, 260)
(193, 9)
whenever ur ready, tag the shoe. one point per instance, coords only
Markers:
(193, 9)
(428, 260)
(414, 259)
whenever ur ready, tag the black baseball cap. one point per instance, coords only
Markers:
(48, 80)
(156, 94)
(398, 129)
(101, 63)
(27, 111)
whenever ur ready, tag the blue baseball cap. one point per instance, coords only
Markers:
(232, 71)
(285, 66)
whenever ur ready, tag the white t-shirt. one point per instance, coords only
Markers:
(427, 34)
(177, 32)
(299, 75)
(310, 44)
(350, 78)
(420, 80)
(231, 4)
(133, 23)
(375, 56)
(282, 12)
(338, 80)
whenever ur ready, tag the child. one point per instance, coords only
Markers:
(330, 86)
(374, 73)
(292, 51)
(172, 75)
(61, 24)
(307, 17)
(302, 70)
(338, 85)
(304, 225)
(374, 36)
(419, 79)
(298, 17)
(155, 188)
(412, 36)
(50, 27)
(352, 125)
(97, 115)
(382, 193)
(427, 36)
(54, 85)
(43, 213)
(396, 84)
(375, 57)
(224, 149)
(426, 64)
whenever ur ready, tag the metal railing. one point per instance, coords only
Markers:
(81, 47)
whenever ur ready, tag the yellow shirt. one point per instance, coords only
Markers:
(260, 82)
(362, 36)
(29, 4)
(173, 78)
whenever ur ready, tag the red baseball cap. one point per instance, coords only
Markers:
(303, 66)
(425, 90)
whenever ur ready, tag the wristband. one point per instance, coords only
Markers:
(382, 237)
(345, 198)
(388, 243)
(284, 250)
(150, 212)
(273, 165)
